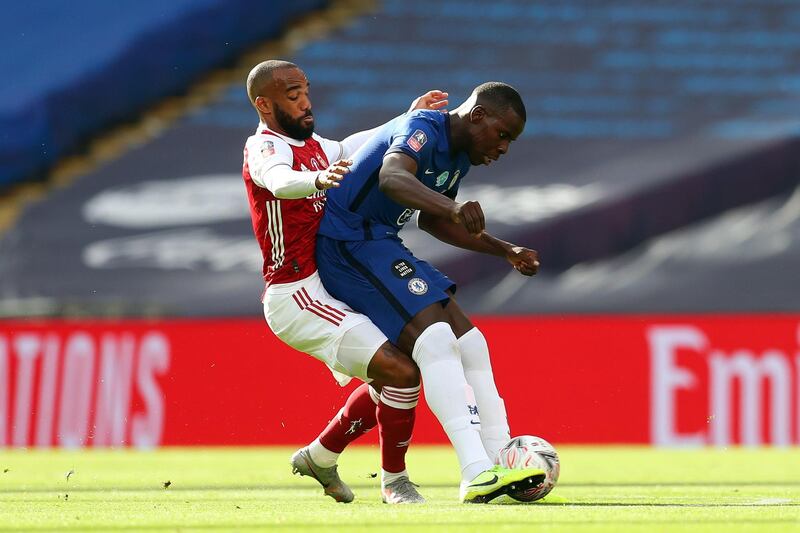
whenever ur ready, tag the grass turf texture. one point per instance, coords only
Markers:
(602, 489)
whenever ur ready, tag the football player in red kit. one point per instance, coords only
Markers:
(287, 168)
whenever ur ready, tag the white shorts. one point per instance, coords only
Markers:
(303, 315)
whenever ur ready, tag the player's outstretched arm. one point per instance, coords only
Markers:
(524, 260)
(288, 184)
(436, 100)
(397, 180)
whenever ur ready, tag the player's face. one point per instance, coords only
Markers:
(492, 134)
(291, 105)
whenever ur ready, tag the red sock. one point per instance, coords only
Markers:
(357, 417)
(396, 412)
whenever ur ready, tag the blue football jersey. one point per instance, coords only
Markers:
(358, 210)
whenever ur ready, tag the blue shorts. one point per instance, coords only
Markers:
(381, 279)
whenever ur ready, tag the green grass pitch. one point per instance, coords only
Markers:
(602, 489)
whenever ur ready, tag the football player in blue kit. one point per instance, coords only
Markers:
(416, 163)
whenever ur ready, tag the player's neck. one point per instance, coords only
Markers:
(273, 126)
(459, 132)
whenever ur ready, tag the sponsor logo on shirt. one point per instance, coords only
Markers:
(417, 140)
(442, 178)
(456, 174)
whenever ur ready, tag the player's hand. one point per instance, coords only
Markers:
(524, 260)
(331, 176)
(430, 100)
(470, 215)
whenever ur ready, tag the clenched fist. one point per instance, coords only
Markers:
(524, 260)
(470, 215)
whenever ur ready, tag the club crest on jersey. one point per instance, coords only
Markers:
(442, 178)
(417, 286)
(456, 174)
(417, 140)
(267, 148)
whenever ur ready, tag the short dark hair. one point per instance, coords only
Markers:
(262, 74)
(500, 96)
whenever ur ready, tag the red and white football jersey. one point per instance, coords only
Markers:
(286, 230)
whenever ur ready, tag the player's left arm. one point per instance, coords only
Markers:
(435, 99)
(524, 260)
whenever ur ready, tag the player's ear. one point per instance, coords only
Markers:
(263, 105)
(477, 114)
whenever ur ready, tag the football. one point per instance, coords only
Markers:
(527, 451)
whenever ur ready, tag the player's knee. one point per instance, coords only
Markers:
(404, 373)
(474, 350)
(392, 367)
(437, 343)
(407, 374)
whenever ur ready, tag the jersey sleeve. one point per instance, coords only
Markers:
(333, 149)
(352, 143)
(415, 137)
(264, 152)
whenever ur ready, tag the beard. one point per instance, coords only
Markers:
(294, 128)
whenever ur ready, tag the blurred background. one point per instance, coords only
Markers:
(658, 176)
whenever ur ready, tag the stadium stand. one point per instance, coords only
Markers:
(654, 127)
(78, 67)
(744, 260)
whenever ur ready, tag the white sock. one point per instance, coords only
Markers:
(321, 455)
(478, 372)
(388, 477)
(450, 397)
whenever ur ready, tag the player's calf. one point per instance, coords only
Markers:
(478, 373)
(357, 417)
(399, 381)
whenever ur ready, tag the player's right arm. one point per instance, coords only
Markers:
(397, 180)
(270, 163)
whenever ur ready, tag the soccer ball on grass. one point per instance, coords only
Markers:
(527, 451)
